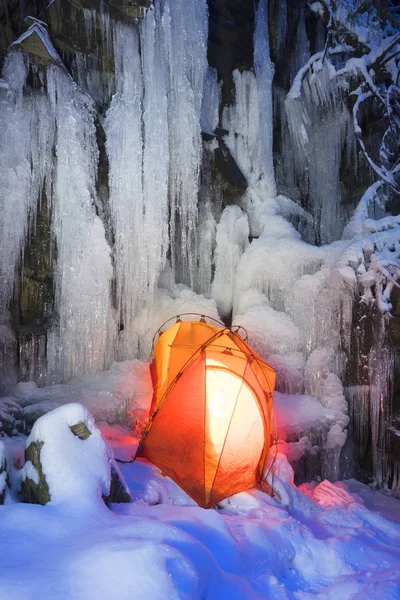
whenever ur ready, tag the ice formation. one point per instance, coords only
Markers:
(264, 70)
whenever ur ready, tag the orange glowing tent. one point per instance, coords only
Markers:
(210, 426)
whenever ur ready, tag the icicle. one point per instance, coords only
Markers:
(123, 127)
(211, 101)
(154, 238)
(185, 25)
(249, 122)
(381, 377)
(205, 243)
(83, 339)
(91, 68)
(242, 122)
(137, 145)
(264, 69)
(232, 240)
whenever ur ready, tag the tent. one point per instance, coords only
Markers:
(210, 426)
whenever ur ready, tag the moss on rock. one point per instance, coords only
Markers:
(32, 492)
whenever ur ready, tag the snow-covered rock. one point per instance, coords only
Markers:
(68, 461)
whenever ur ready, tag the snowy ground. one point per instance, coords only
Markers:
(326, 541)
(329, 541)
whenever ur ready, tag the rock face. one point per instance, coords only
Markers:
(230, 40)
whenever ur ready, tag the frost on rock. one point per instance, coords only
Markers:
(68, 461)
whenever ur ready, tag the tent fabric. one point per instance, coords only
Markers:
(210, 426)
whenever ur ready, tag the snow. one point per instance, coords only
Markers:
(319, 540)
(318, 8)
(112, 396)
(39, 29)
(300, 413)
